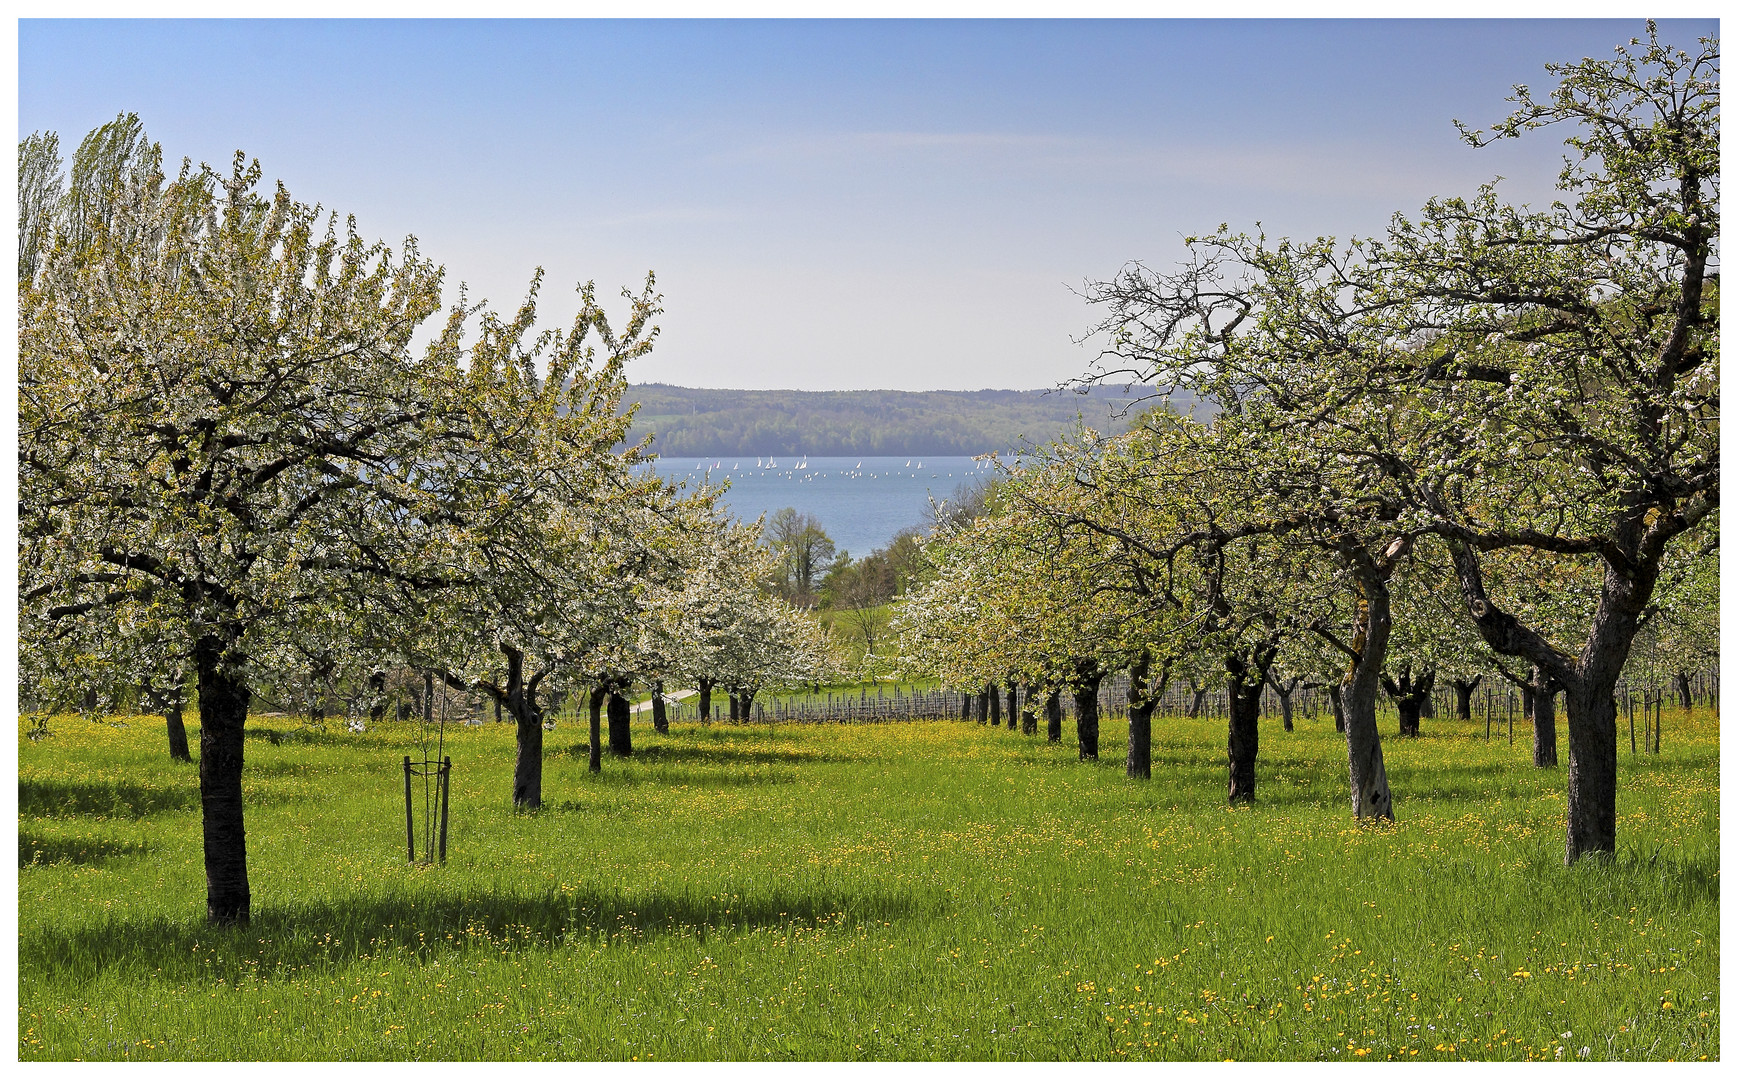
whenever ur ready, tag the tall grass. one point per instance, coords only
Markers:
(917, 891)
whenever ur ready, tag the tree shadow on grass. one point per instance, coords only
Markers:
(1471, 797)
(723, 735)
(675, 776)
(115, 798)
(331, 735)
(720, 755)
(284, 940)
(34, 848)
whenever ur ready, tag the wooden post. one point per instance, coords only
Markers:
(446, 787)
(409, 821)
(1629, 707)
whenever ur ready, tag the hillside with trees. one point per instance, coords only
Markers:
(696, 422)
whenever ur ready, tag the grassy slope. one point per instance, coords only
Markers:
(896, 891)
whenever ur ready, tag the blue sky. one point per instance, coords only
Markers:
(827, 205)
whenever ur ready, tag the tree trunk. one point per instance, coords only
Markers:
(966, 707)
(1140, 721)
(735, 707)
(1013, 702)
(747, 705)
(223, 703)
(1543, 714)
(705, 699)
(1337, 699)
(1684, 697)
(1140, 741)
(1244, 680)
(1053, 716)
(1407, 709)
(170, 700)
(1592, 825)
(428, 697)
(1028, 719)
(621, 733)
(1463, 696)
(528, 735)
(1242, 744)
(1086, 680)
(1409, 696)
(1371, 797)
(993, 694)
(1284, 691)
(660, 716)
(1195, 702)
(594, 709)
(377, 698)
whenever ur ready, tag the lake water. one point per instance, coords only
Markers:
(860, 502)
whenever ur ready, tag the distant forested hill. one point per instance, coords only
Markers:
(691, 422)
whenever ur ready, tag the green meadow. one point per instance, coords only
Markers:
(895, 891)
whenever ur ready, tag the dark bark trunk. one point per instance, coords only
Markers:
(1407, 710)
(1012, 711)
(1588, 680)
(1242, 744)
(528, 735)
(1284, 692)
(1028, 719)
(377, 698)
(1463, 696)
(621, 733)
(1592, 824)
(1140, 721)
(993, 694)
(705, 699)
(170, 701)
(1245, 677)
(983, 706)
(747, 705)
(660, 716)
(1053, 716)
(1087, 677)
(1684, 696)
(1409, 696)
(735, 707)
(223, 703)
(428, 697)
(1543, 714)
(1337, 700)
(1199, 696)
(965, 707)
(178, 748)
(594, 716)
(1140, 741)
(1371, 797)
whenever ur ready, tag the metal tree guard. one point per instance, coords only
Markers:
(436, 774)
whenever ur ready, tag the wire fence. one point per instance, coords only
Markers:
(1498, 705)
